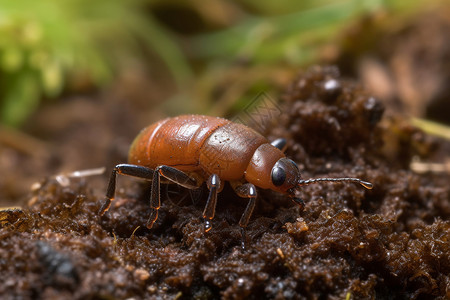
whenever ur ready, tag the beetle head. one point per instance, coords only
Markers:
(270, 169)
(285, 175)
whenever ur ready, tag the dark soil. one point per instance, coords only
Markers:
(391, 242)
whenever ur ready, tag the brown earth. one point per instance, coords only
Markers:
(390, 242)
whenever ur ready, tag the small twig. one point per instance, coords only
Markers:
(433, 128)
(424, 167)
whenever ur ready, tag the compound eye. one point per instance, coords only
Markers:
(278, 176)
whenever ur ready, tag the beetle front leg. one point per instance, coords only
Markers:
(280, 144)
(210, 208)
(173, 175)
(123, 169)
(299, 202)
(247, 190)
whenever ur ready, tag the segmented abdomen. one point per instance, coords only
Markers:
(174, 142)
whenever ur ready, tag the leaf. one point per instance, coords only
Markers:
(21, 98)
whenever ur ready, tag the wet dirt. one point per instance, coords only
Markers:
(349, 242)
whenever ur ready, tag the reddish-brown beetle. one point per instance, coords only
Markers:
(190, 149)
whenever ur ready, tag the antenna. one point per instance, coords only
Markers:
(365, 184)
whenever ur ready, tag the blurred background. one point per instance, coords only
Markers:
(79, 78)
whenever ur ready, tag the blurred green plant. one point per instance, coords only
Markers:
(238, 48)
(45, 44)
(266, 39)
(294, 35)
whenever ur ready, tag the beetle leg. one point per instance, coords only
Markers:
(299, 202)
(123, 169)
(210, 208)
(280, 144)
(247, 190)
(172, 174)
(177, 176)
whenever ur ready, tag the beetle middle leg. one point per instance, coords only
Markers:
(172, 174)
(210, 208)
(247, 190)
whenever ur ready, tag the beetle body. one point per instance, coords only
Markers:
(192, 149)
(202, 146)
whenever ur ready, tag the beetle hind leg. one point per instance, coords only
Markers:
(123, 169)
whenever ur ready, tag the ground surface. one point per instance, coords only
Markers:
(349, 242)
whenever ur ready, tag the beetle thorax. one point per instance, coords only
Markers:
(260, 167)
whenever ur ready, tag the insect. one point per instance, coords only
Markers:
(191, 149)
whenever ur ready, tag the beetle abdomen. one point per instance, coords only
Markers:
(228, 150)
(173, 142)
